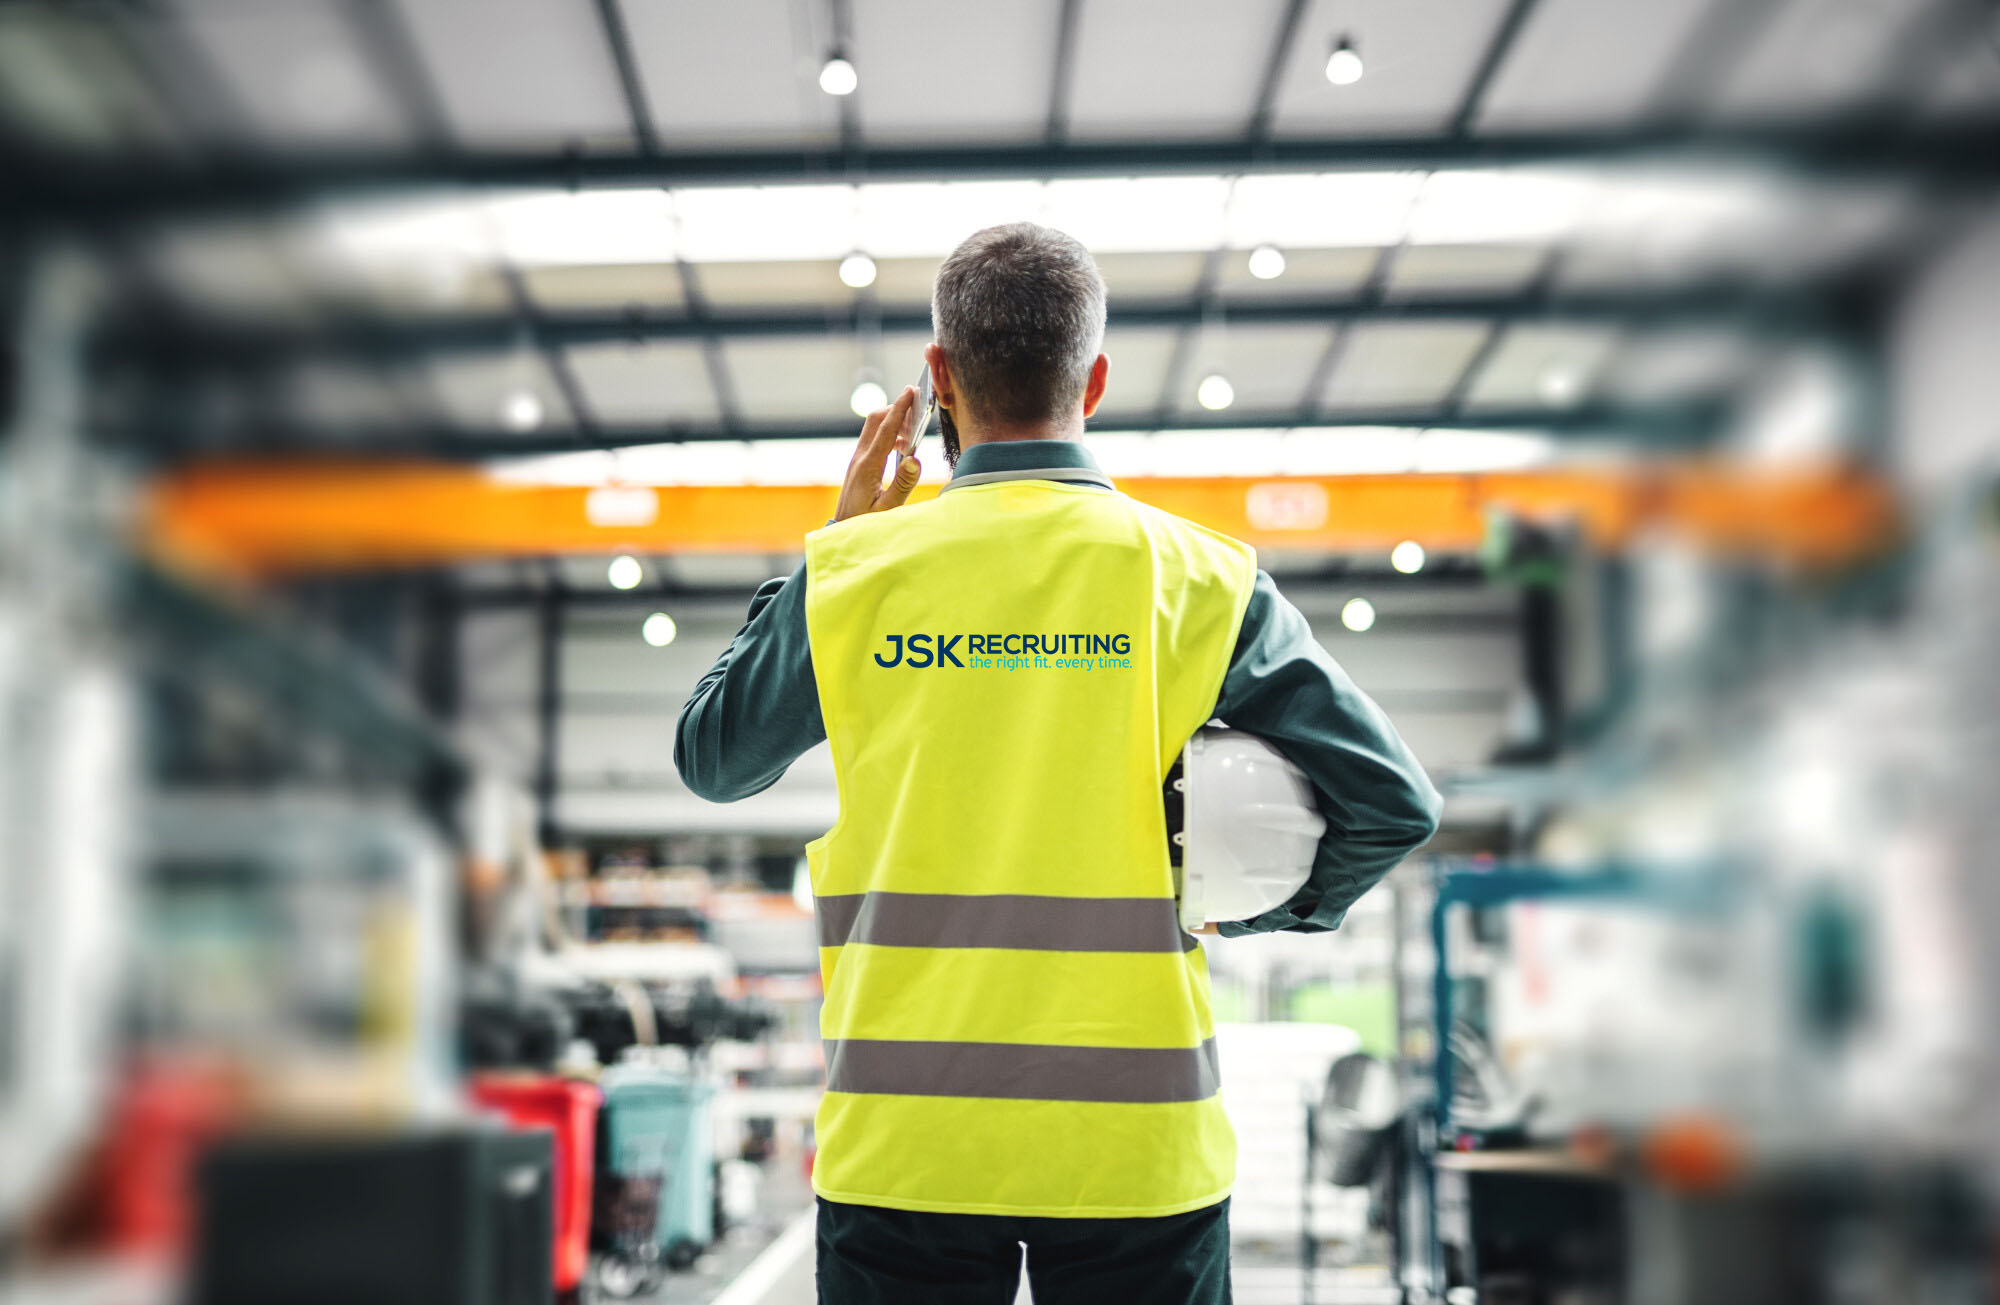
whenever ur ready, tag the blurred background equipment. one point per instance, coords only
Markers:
(568, 1111)
(455, 1217)
(660, 1186)
(402, 398)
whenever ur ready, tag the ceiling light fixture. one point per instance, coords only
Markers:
(1561, 384)
(522, 411)
(867, 397)
(1343, 66)
(837, 76)
(857, 271)
(625, 572)
(1215, 392)
(1358, 615)
(658, 630)
(1407, 557)
(1267, 262)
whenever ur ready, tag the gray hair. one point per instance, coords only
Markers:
(1019, 313)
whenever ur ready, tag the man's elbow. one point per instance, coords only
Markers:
(707, 778)
(723, 792)
(702, 777)
(1422, 808)
(707, 784)
(703, 784)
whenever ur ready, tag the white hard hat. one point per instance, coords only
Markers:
(1249, 829)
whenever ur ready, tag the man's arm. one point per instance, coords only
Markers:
(757, 709)
(1378, 803)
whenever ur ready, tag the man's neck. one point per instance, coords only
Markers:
(1054, 430)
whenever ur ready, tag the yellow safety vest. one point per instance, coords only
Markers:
(1014, 1021)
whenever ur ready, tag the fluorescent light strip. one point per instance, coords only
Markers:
(1110, 215)
(1308, 451)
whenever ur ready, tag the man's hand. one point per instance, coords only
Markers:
(881, 434)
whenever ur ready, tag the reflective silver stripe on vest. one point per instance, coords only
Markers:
(1004, 920)
(1074, 475)
(1022, 1072)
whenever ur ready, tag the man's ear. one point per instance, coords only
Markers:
(941, 384)
(1093, 389)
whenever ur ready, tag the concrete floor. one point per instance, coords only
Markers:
(767, 1264)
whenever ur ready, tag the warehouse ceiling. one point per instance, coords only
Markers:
(481, 227)
(598, 241)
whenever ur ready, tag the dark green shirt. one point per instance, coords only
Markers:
(757, 711)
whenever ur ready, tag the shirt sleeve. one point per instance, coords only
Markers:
(1378, 803)
(756, 711)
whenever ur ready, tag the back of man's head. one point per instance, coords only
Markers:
(1019, 313)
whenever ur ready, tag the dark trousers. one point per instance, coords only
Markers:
(873, 1256)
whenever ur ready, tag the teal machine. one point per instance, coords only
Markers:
(656, 1185)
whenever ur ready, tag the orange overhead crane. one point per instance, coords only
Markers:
(270, 517)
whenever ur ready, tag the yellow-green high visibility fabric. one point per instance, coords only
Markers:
(1014, 1021)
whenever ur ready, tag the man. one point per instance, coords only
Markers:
(1019, 1044)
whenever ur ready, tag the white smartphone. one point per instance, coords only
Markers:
(921, 412)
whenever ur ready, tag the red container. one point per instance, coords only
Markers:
(163, 1116)
(569, 1110)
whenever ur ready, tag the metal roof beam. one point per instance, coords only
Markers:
(1062, 76)
(1265, 111)
(1491, 61)
(631, 82)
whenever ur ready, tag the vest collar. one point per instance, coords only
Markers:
(1058, 460)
